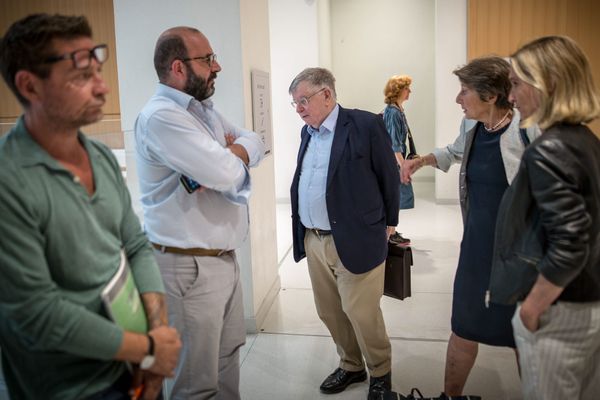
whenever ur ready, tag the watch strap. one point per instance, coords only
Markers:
(150, 345)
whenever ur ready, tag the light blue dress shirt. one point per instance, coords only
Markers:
(175, 134)
(312, 204)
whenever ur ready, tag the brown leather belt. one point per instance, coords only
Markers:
(196, 251)
(319, 232)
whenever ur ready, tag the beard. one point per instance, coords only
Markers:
(198, 87)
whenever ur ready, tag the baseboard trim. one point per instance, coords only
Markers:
(254, 323)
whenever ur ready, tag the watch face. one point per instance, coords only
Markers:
(147, 362)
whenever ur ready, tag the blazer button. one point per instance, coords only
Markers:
(335, 222)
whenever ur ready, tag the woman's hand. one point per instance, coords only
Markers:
(408, 168)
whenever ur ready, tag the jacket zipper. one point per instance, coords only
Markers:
(528, 260)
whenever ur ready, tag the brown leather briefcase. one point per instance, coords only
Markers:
(397, 271)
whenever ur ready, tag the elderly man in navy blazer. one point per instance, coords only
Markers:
(344, 206)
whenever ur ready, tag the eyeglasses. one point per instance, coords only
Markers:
(208, 59)
(304, 100)
(83, 58)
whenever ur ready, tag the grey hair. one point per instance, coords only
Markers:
(320, 77)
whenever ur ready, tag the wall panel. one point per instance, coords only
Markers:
(101, 17)
(500, 27)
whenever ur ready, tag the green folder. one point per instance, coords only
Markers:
(122, 300)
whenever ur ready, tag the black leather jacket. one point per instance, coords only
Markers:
(548, 221)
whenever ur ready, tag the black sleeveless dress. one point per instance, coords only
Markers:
(486, 183)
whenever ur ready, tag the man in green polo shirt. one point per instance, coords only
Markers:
(65, 215)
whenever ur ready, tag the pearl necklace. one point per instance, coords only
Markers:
(493, 128)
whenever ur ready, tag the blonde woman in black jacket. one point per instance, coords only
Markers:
(547, 247)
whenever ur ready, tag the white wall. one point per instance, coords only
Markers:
(240, 47)
(261, 276)
(375, 39)
(138, 23)
(450, 52)
(294, 46)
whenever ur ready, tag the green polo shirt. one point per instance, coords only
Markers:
(58, 249)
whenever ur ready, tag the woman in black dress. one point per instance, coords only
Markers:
(490, 147)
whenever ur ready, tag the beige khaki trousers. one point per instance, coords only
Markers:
(348, 304)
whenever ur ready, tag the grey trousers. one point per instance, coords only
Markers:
(561, 360)
(204, 302)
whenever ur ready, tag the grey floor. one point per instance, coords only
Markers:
(293, 352)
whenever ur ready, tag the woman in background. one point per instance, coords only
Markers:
(489, 149)
(396, 92)
(547, 248)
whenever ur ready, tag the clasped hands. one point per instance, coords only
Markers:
(408, 168)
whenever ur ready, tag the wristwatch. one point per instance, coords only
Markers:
(148, 360)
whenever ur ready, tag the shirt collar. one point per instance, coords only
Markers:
(329, 124)
(31, 153)
(181, 98)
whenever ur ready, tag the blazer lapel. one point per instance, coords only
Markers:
(339, 142)
(304, 139)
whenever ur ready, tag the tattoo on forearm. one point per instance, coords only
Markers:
(156, 309)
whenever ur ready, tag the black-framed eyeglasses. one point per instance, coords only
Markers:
(304, 100)
(208, 59)
(83, 58)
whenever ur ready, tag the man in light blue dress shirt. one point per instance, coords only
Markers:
(195, 184)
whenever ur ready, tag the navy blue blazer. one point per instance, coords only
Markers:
(362, 193)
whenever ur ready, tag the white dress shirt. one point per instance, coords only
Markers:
(175, 134)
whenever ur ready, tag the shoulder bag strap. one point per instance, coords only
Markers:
(524, 137)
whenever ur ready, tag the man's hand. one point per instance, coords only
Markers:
(409, 167)
(167, 345)
(239, 151)
(145, 385)
(152, 385)
(390, 231)
(229, 139)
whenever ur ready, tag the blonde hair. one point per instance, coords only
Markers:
(394, 86)
(560, 72)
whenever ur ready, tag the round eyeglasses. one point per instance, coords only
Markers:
(303, 101)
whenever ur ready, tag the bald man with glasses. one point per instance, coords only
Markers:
(193, 169)
(66, 220)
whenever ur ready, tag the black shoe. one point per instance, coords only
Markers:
(380, 386)
(339, 380)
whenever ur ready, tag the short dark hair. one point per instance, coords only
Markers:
(169, 47)
(27, 43)
(488, 76)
